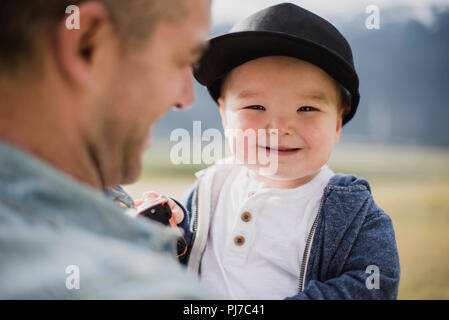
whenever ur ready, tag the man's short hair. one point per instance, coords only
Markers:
(22, 20)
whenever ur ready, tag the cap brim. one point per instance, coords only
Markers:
(228, 51)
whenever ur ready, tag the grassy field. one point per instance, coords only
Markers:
(410, 184)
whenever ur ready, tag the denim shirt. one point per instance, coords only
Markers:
(61, 239)
(352, 254)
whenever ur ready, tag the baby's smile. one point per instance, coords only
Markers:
(281, 150)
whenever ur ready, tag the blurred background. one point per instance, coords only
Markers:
(398, 140)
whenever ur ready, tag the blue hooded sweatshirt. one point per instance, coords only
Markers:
(351, 251)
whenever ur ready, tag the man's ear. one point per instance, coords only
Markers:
(79, 51)
(221, 104)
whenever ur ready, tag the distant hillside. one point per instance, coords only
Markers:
(404, 76)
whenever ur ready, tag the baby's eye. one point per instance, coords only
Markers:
(255, 107)
(307, 109)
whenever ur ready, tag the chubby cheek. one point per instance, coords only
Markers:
(242, 121)
(242, 135)
(245, 124)
(319, 139)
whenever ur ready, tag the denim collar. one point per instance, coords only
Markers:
(40, 192)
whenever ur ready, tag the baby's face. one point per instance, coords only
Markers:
(295, 97)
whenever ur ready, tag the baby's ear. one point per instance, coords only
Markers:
(339, 125)
(222, 107)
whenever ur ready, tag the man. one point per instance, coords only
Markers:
(76, 109)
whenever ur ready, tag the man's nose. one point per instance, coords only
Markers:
(187, 94)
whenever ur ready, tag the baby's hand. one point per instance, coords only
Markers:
(153, 197)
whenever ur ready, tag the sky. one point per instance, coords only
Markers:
(231, 11)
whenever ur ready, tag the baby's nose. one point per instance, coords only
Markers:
(280, 126)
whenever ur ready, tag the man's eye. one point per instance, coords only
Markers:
(307, 109)
(255, 107)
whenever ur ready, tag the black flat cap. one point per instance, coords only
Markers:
(281, 30)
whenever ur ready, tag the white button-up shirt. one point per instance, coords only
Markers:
(258, 235)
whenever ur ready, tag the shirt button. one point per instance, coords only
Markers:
(239, 240)
(246, 216)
